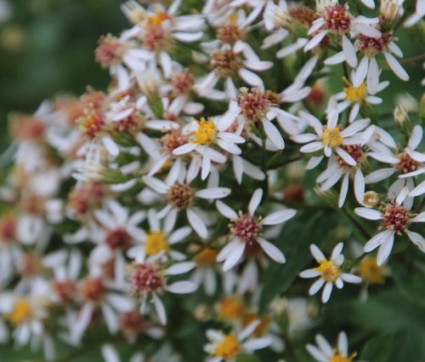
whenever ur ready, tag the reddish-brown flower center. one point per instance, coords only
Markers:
(255, 104)
(182, 82)
(396, 217)
(355, 151)
(230, 33)
(118, 239)
(226, 63)
(65, 290)
(132, 323)
(246, 227)
(372, 46)
(338, 19)
(173, 140)
(93, 289)
(7, 228)
(147, 278)
(180, 196)
(109, 51)
(407, 164)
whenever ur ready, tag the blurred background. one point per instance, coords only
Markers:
(47, 47)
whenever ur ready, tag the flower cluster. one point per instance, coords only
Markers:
(215, 159)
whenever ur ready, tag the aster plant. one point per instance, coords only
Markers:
(176, 215)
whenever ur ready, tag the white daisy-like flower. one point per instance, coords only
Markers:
(117, 233)
(97, 293)
(227, 347)
(246, 231)
(159, 29)
(204, 136)
(331, 138)
(156, 244)
(123, 58)
(229, 62)
(324, 352)
(337, 20)
(338, 169)
(330, 272)
(407, 163)
(371, 47)
(181, 196)
(395, 218)
(149, 280)
(355, 97)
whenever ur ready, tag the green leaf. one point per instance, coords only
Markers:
(247, 358)
(296, 236)
(406, 345)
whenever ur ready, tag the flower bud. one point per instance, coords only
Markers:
(371, 199)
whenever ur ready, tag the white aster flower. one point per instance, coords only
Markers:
(336, 19)
(395, 218)
(331, 138)
(329, 272)
(324, 352)
(181, 196)
(227, 347)
(156, 244)
(149, 280)
(229, 62)
(204, 136)
(246, 230)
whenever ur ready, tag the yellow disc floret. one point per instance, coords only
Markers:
(371, 272)
(332, 137)
(206, 132)
(159, 18)
(231, 308)
(206, 257)
(22, 312)
(355, 94)
(338, 358)
(329, 270)
(156, 242)
(228, 348)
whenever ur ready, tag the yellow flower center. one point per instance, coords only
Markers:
(206, 257)
(338, 358)
(156, 242)
(332, 137)
(159, 18)
(206, 132)
(371, 271)
(355, 94)
(228, 348)
(329, 270)
(21, 313)
(230, 308)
